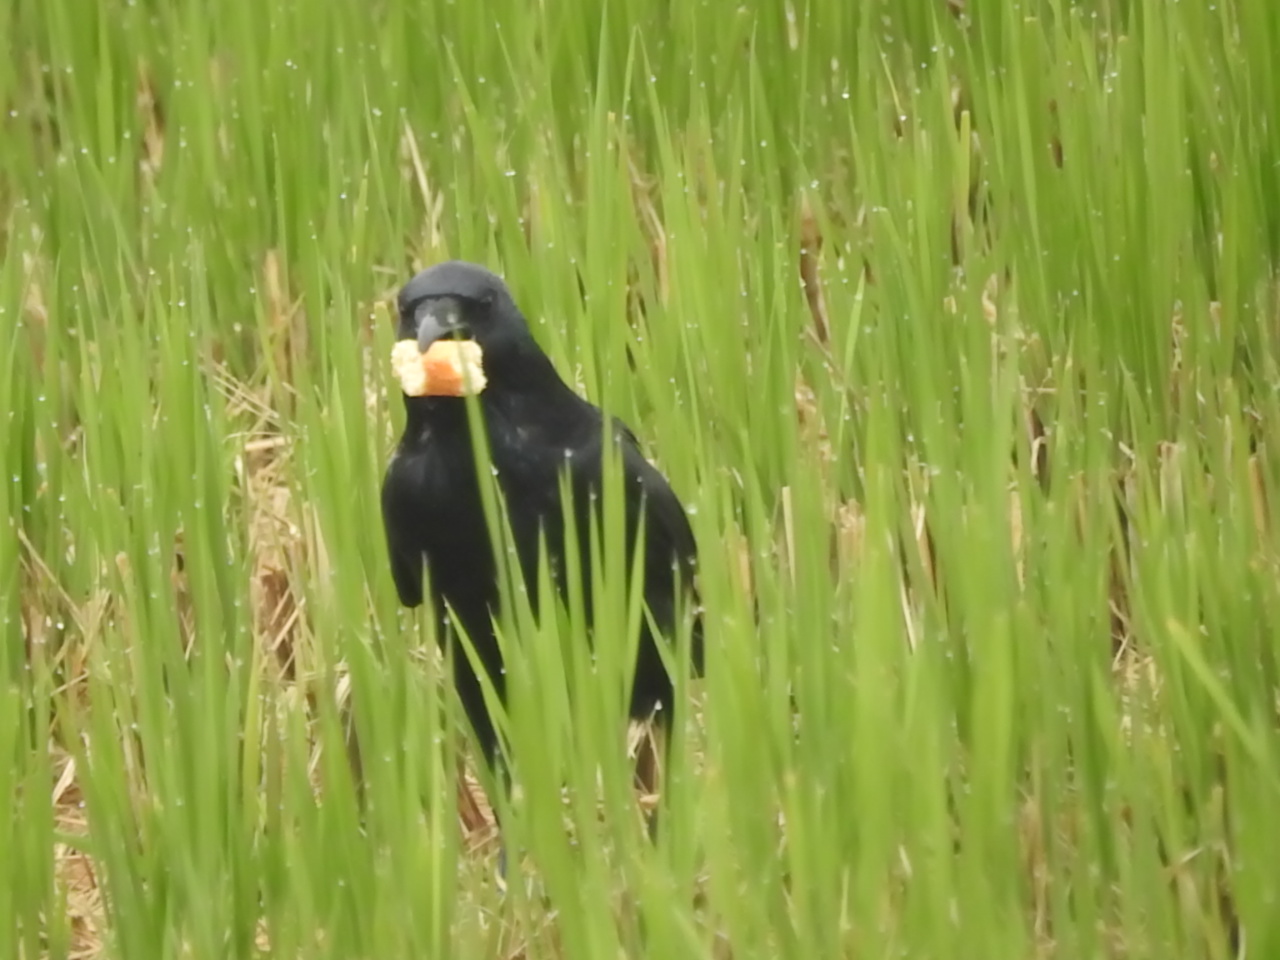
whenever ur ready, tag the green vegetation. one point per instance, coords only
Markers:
(954, 323)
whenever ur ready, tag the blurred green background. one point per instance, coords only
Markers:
(953, 323)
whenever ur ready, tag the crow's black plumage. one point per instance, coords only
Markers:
(537, 427)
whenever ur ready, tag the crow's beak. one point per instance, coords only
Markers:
(438, 318)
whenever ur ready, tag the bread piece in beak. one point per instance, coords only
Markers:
(449, 368)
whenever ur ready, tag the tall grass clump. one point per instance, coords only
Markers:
(953, 324)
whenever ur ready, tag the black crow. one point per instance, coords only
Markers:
(537, 428)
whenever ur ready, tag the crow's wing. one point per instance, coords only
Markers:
(670, 550)
(669, 539)
(400, 496)
(667, 525)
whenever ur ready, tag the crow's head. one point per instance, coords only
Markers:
(461, 300)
